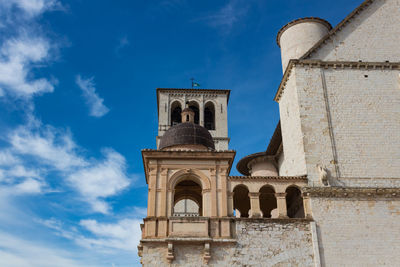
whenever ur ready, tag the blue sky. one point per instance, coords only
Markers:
(78, 103)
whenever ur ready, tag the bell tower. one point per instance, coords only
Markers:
(189, 203)
(210, 107)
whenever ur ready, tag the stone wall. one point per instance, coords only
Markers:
(373, 36)
(260, 242)
(292, 161)
(358, 232)
(363, 106)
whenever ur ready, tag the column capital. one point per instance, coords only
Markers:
(164, 171)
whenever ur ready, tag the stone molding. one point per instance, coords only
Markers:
(263, 178)
(331, 65)
(351, 192)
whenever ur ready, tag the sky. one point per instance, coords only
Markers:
(78, 86)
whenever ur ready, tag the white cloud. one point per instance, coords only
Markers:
(29, 186)
(125, 234)
(53, 147)
(101, 180)
(18, 57)
(97, 108)
(18, 252)
(7, 158)
(31, 7)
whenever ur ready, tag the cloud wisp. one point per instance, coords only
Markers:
(226, 17)
(93, 100)
(122, 43)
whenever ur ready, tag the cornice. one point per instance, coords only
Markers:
(191, 90)
(332, 65)
(154, 154)
(351, 192)
(263, 178)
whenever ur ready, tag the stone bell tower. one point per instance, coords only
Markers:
(187, 177)
(209, 105)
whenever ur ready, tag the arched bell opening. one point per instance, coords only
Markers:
(294, 202)
(176, 110)
(267, 200)
(193, 105)
(241, 200)
(188, 199)
(209, 116)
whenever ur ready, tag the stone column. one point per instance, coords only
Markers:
(281, 203)
(307, 206)
(213, 178)
(201, 111)
(170, 200)
(151, 206)
(206, 203)
(255, 205)
(163, 202)
(224, 192)
(230, 204)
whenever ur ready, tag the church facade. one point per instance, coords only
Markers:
(326, 190)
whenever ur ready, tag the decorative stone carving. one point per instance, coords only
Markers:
(323, 174)
(207, 253)
(170, 252)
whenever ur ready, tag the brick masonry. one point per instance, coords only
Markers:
(358, 232)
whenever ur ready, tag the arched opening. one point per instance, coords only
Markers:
(209, 116)
(294, 202)
(241, 200)
(267, 200)
(195, 107)
(176, 113)
(188, 199)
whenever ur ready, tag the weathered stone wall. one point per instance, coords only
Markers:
(354, 232)
(292, 160)
(373, 36)
(364, 107)
(260, 243)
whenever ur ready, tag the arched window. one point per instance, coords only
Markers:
(267, 200)
(209, 116)
(176, 113)
(187, 199)
(294, 202)
(241, 200)
(195, 107)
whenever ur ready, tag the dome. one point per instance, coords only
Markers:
(187, 134)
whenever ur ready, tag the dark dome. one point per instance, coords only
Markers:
(187, 134)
